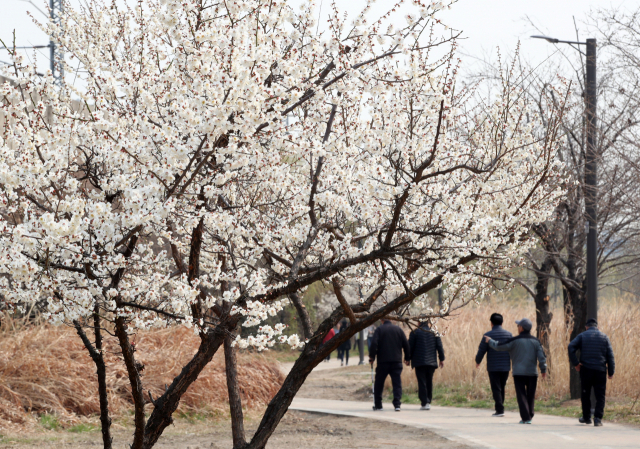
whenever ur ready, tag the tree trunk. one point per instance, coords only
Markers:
(315, 351)
(166, 404)
(282, 400)
(98, 360)
(235, 403)
(133, 371)
(543, 315)
(575, 317)
(101, 369)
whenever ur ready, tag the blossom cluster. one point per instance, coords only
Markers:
(225, 154)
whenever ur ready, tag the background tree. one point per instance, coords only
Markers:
(561, 252)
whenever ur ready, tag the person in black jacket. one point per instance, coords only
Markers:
(498, 363)
(426, 349)
(596, 358)
(387, 345)
(344, 348)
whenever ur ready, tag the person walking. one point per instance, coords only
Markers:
(326, 338)
(524, 350)
(387, 345)
(425, 349)
(369, 336)
(596, 359)
(344, 348)
(498, 363)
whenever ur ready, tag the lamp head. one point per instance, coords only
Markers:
(553, 40)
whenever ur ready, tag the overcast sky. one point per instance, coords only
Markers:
(487, 24)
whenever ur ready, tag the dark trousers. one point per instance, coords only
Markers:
(590, 378)
(342, 354)
(382, 371)
(526, 395)
(498, 380)
(424, 374)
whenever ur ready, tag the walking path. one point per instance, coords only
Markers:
(477, 429)
(333, 363)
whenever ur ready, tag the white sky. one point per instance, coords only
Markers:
(487, 24)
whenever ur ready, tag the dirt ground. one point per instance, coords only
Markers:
(349, 383)
(297, 429)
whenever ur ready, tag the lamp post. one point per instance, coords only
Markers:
(590, 171)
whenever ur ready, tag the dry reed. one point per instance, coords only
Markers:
(46, 369)
(618, 319)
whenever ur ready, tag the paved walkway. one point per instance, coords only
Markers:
(477, 429)
(333, 363)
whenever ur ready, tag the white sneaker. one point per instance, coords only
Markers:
(498, 415)
(426, 407)
(397, 409)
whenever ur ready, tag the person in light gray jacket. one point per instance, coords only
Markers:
(525, 350)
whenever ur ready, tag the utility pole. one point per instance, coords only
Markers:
(361, 334)
(56, 7)
(591, 182)
(590, 170)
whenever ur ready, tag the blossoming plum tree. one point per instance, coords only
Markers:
(222, 156)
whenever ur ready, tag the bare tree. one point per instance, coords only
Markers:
(561, 251)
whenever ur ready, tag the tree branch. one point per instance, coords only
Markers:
(343, 302)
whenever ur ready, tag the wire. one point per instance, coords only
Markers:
(27, 47)
(36, 7)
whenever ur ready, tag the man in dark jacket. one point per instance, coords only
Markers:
(596, 358)
(524, 350)
(426, 349)
(498, 363)
(388, 343)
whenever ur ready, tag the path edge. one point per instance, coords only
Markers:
(430, 427)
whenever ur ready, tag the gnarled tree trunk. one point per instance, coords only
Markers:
(164, 406)
(235, 402)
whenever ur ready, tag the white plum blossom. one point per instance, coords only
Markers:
(223, 156)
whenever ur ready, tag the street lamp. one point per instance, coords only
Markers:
(590, 172)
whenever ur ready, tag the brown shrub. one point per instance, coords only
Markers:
(46, 369)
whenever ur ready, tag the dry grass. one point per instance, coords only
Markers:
(46, 369)
(618, 319)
